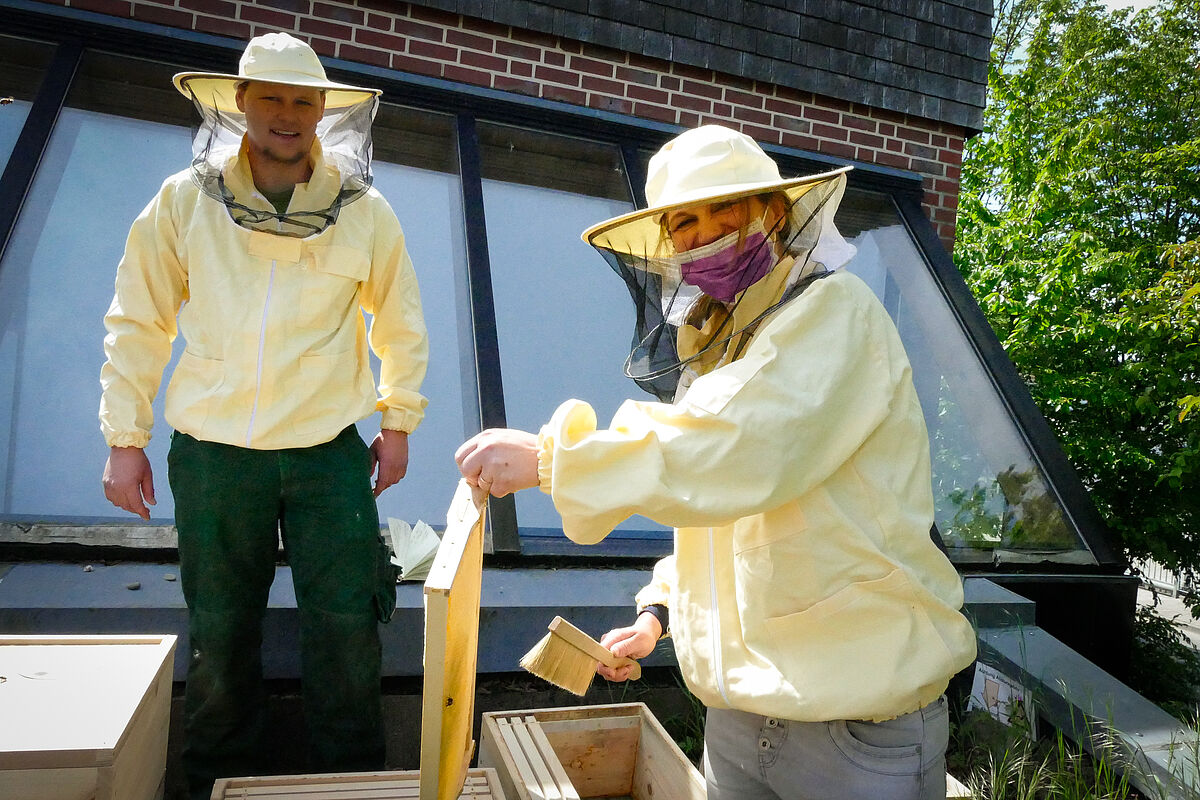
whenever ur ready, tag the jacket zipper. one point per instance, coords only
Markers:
(262, 338)
(718, 666)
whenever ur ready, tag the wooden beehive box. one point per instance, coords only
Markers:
(587, 751)
(452, 593)
(84, 717)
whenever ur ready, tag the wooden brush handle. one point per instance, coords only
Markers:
(581, 641)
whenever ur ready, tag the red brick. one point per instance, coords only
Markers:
(555, 58)
(322, 47)
(867, 140)
(506, 83)
(364, 55)
(461, 39)
(952, 157)
(340, 13)
(565, 95)
(482, 61)
(752, 116)
(931, 199)
(768, 135)
(938, 140)
(224, 27)
(618, 105)
(788, 93)
(485, 26)
(218, 8)
(649, 111)
(743, 98)
(928, 167)
(446, 18)
(709, 119)
(424, 49)
(639, 61)
(417, 66)
(946, 186)
(267, 16)
(594, 84)
(822, 115)
(164, 16)
(890, 160)
(913, 135)
(641, 76)
(836, 149)
(887, 129)
(556, 76)
(790, 123)
(319, 27)
(647, 94)
(533, 37)
(520, 68)
(859, 123)
(945, 215)
(920, 151)
(830, 132)
(723, 109)
(592, 66)
(702, 89)
(474, 77)
(953, 173)
(688, 119)
(798, 141)
(951, 202)
(699, 104)
(417, 30)
(783, 107)
(895, 145)
(115, 8)
(379, 22)
(387, 41)
(514, 50)
(669, 83)
(688, 71)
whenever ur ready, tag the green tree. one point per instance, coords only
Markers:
(1078, 225)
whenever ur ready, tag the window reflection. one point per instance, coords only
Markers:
(563, 319)
(22, 66)
(992, 501)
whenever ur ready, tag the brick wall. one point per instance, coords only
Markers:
(413, 39)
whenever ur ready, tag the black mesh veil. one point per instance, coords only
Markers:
(663, 302)
(345, 137)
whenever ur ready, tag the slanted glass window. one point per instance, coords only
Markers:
(993, 503)
(22, 66)
(563, 319)
(416, 170)
(123, 129)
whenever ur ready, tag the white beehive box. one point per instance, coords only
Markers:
(84, 717)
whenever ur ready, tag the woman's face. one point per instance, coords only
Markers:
(697, 226)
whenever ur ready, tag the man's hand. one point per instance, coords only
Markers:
(636, 642)
(389, 452)
(128, 480)
(499, 461)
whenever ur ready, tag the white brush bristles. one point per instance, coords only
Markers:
(561, 663)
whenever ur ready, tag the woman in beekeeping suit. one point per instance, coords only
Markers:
(811, 611)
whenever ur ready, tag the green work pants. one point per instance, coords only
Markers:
(231, 505)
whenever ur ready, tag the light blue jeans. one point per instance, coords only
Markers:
(751, 757)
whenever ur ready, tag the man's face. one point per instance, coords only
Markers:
(281, 120)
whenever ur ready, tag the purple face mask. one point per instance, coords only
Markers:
(721, 269)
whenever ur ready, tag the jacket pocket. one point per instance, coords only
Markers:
(194, 384)
(345, 262)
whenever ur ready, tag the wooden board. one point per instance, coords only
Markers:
(478, 784)
(452, 593)
(84, 716)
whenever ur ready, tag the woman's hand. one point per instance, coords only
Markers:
(636, 642)
(499, 461)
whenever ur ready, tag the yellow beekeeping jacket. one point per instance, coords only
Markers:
(276, 353)
(803, 583)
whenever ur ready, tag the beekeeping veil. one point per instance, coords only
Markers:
(706, 165)
(344, 134)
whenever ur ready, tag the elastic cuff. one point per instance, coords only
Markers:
(397, 419)
(545, 457)
(135, 439)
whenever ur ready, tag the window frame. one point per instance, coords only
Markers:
(71, 32)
